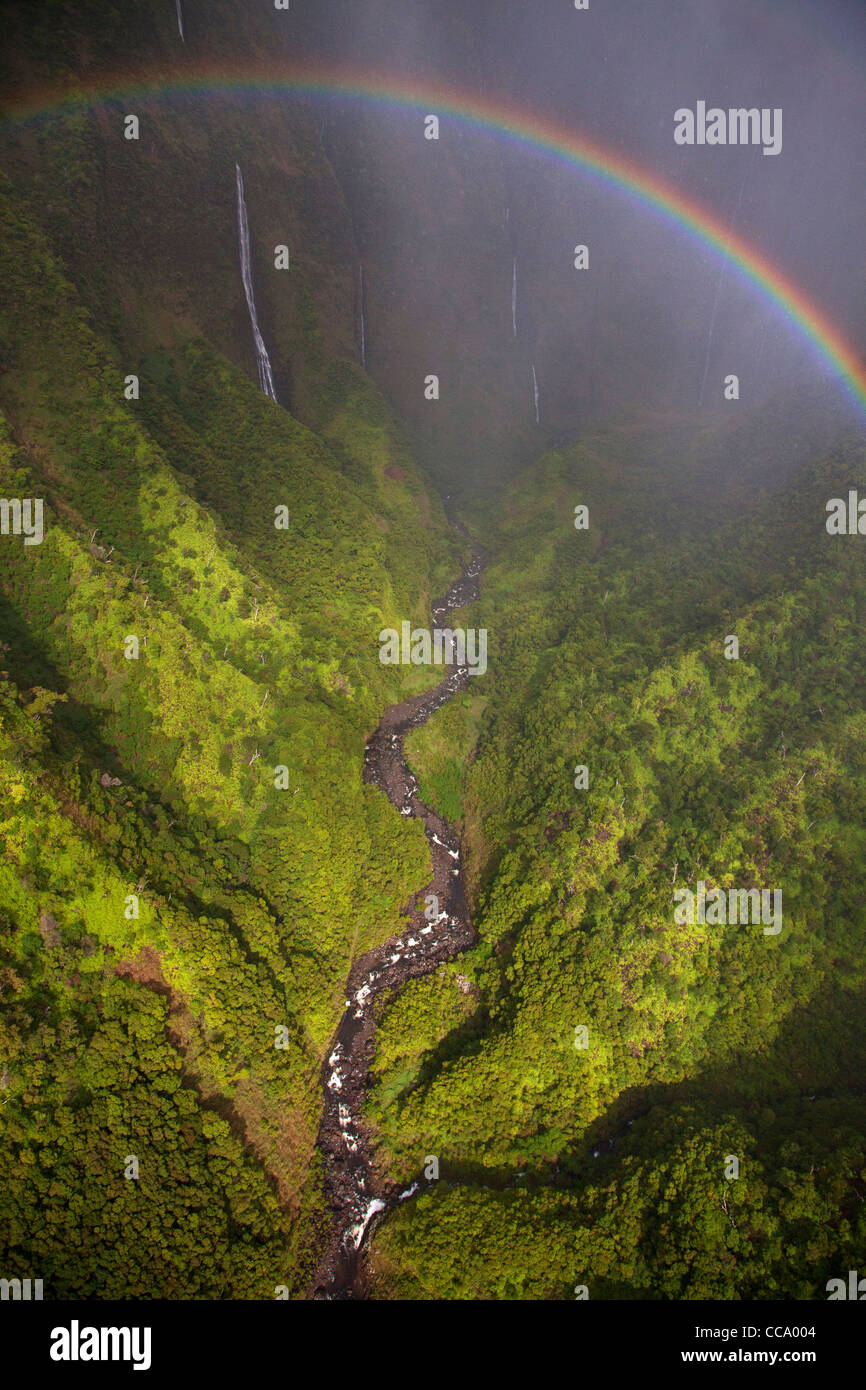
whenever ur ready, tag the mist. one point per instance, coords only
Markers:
(659, 318)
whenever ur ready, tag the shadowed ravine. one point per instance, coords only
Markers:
(358, 1198)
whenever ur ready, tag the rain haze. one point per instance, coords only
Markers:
(481, 218)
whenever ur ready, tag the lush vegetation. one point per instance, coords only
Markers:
(608, 651)
(191, 856)
(192, 859)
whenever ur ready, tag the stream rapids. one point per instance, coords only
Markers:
(359, 1199)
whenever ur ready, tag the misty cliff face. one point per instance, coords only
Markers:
(147, 227)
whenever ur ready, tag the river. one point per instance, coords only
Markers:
(358, 1197)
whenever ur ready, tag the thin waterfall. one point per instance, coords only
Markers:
(362, 294)
(180, 21)
(718, 292)
(535, 395)
(514, 296)
(712, 328)
(266, 376)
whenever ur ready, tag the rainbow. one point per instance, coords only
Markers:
(530, 131)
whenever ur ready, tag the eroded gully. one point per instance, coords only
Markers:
(358, 1196)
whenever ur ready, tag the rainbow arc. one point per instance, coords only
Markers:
(527, 130)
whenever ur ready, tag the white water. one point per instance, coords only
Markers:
(266, 376)
(535, 395)
(180, 21)
(352, 1186)
(363, 319)
(514, 296)
(357, 1232)
(455, 853)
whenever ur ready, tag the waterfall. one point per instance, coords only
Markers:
(514, 296)
(180, 21)
(535, 395)
(363, 298)
(724, 267)
(266, 376)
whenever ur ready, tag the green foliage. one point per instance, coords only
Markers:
(607, 650)
(439, 753)
(662, 1222)
(153, 781)
(158, 777)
